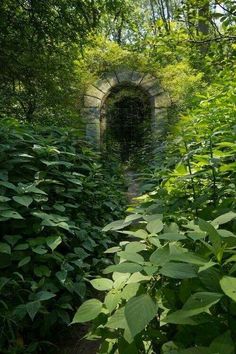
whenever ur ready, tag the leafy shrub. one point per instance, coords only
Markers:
(195, 172)
(181, 81)
(55, 194)
(171, 290)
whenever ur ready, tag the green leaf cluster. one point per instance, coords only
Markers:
(55, 195)
(167, 294)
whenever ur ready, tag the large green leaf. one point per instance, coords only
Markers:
(197, 303)
(131, 256)
(44, 295)
(139, 311)
(33, 308)
(214, 236)
(53, 242)
(24, 261)
(223, 219)
(112, 299)
(12, 239)
(7, 185)
(189, 257)
(102, 284)
(25, 200)
(10, 214)
(61, 276)
(125, 267)
(137, 278)
(223, 344)
(228, 285)
(89, 310)
(171, 236)
(5, 248)
(160, 256)
(179, 270)
(139, 233)
(118, 320)
(155, 226)
(130, 290)
(42, 270)
(4, 199)
(113, 249)
(116, 225)
(39, 250)
(135, 247)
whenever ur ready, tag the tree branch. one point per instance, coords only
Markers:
(225, 9)
(216, 39)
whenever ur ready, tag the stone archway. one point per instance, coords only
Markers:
(97, 93)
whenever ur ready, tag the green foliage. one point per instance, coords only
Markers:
(39, 42)
(181, 81)
(195, 172)
(102, 55)
(166, 293)
(172, 285)
(55, 194)
(171, 288)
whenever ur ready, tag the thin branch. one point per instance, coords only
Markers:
(225, 9)
(216, 39)
(214, 25)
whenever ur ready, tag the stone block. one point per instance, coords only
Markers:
(112, 79)
(89, 115)
(103, 85)
(93, 132)
(95, 92)
(137, 77)
(160, 116)
(90, 101)
(161, 101)
(155, 90)
(124, 76)
(147, 78)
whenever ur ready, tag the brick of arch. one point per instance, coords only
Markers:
(98, 92)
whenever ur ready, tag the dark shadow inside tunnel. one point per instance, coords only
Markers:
(126, 121)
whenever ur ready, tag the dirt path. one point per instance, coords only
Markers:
(133, 186)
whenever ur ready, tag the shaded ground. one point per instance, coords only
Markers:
(133, 189)
(74, 343)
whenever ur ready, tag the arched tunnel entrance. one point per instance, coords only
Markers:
(126, 111)
(126, 121)
(128, 106)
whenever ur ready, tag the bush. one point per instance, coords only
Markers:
(194, 174)
(171, 290)
(181, 81)
(55, 194)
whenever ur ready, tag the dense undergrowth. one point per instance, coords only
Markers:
(55, 196)
(172, 284)
(195, 169)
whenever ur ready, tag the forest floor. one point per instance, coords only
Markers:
(75, 343)
(133, 185)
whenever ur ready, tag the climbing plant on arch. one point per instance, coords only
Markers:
(97, 93)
